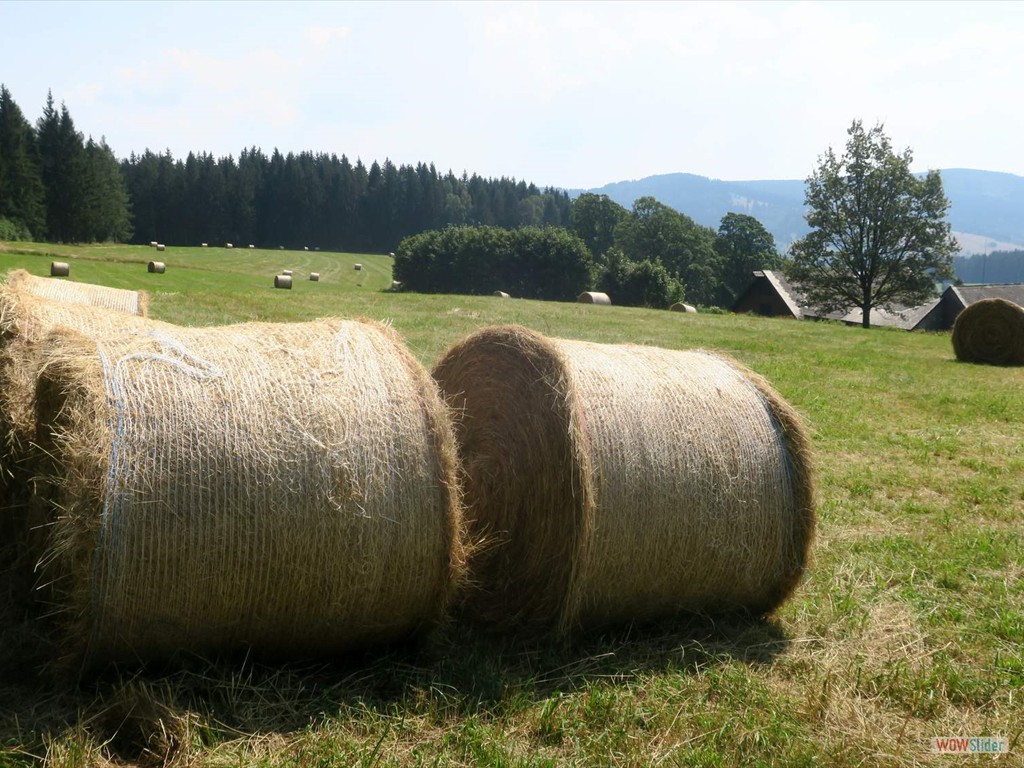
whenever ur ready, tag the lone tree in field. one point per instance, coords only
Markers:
(879, 233)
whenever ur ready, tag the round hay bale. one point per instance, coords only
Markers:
(119, 299)
(153, 243)
(229, 245)
(314, 277)
(161, 247)
(396, 285)
(287, 272)
(358, 267)
(25, 320)
(204, 245)
(606, 483)
(329, 525)
(156, 267)
(680, 307)
(593, 297)
(990, 331)
(501, 295)
(251, 245)
(305, 247)
(283, 281)
(59, 269)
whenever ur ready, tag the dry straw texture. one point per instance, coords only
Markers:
(593, 297)
(289, 488)
(59, 269)
(990, 331)
(131, 302)
(156, 267)
(680, 307)
(610, 483)
(283, 281)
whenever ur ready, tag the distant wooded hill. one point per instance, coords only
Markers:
(987, 211)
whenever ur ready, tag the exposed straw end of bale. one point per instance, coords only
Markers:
(314, 277)
(990, 331)
(593, 297)
(338, 529)
(59, 269)
(680, 307)
(501, 295)
(156, 267)
(130, 302)
(614, 483)
(283, 281)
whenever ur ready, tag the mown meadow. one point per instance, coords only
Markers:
(909, 624)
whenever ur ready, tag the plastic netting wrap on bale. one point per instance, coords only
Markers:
(130, 302)
(286, 488)
(610, 483)
(990, 331)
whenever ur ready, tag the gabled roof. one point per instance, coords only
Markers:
(968, 294)
(905, 318)
(792, 298)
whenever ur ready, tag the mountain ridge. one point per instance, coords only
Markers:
(986, 211)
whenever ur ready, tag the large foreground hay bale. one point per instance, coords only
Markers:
(990, 331)
(131, 302)
(611, 483)
(289, 488)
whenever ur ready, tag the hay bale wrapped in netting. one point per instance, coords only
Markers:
(610, 483)
(990, 331)
(593, 297)
(131, 302)
(288, 488)
(26, 319)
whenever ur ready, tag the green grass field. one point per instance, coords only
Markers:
(910, 624)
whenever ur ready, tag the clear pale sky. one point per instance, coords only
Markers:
(573, 94)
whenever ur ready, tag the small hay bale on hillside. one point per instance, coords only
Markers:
(156, 267)
(161, 247)
(358, 267)
(333, 524)
(229, 245)
(59, 269)
(680, 307)
(283, 281)
(153, 243)
(119, 299)
(396, 285)
(990, 331)
(314, 277)
(501, 295)
(593, 297)
(607, 483)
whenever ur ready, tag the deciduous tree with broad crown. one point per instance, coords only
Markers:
(879, 235)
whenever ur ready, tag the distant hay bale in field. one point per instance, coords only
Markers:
(609, 483)
(204, 245)
(333, 523)
(59, 269)
(161, 247)
(358, 267)
(593, 297)
(317, 248)
(251, 245)
(280, 247)
(283, 281)
(287, 272)
(229, 245)
(680, 307)
(119, 299)
(501, 295)
(305, 247)
(156, 267)
(990, 331)
(153, 243)
(314, 277)
(392, 254)
(396, 285)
